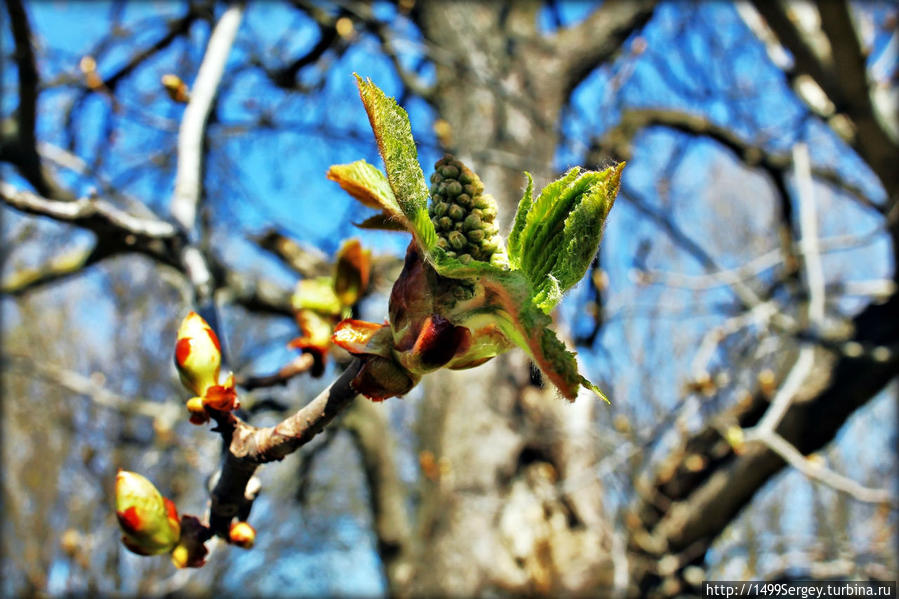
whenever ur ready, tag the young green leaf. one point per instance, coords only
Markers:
(391, 127)
(584, 227)
(367, 183)
(524, 206)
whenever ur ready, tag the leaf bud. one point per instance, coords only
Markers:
(198, 354)
(149, 520)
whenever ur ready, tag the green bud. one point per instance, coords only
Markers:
(450, 171)
(453, 188)
(440, 208)
(465, 258)
(472, 221)
(476, 235)
(456, 212)
(445, 223)
(456, 240)
(149, 520)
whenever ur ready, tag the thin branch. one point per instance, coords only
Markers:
(306, 261)
(597, 38)
(188, 181)
(90, 213)
(818, 472)
(56, 269)
(90, 388)
(618, 140)
(297, 366)
(411, 81)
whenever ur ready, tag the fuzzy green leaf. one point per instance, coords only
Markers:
(524, 206)
(584, 226)
(536, 222)
(367, 183)
(391, 127)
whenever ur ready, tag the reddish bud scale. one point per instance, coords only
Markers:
(439, 341)
(214, 338)
(182, 350)
(129, 520)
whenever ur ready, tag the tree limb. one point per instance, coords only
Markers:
(18, 145)
(689, 508)
(188, 180)
(247, 447)
(598, 37)
(840, 73)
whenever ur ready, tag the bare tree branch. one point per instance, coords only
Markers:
(58, 268)
(838, 69)
(598, 37)
(188, 181)
(18, 144)
(618, 140)
(821, 474)
(248, 446)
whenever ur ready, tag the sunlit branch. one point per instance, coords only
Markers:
(818, 472)
(619, 139)
(306, 261)
(188, 181)
(59, 267)
(90, 213)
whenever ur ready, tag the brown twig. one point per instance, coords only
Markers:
(248, 446)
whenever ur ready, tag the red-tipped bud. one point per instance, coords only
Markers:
(242, 534)
(222, 397)
(198, 354)
(197, 411)
(149, 520)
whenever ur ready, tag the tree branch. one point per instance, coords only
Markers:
(839, 71)
(598, 37)
(58, 268)
(188, 180)
(618, 140)
(18, 146)
(689, 508)
(248, 446)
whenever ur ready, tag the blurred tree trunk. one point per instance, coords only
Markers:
(492, 517)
